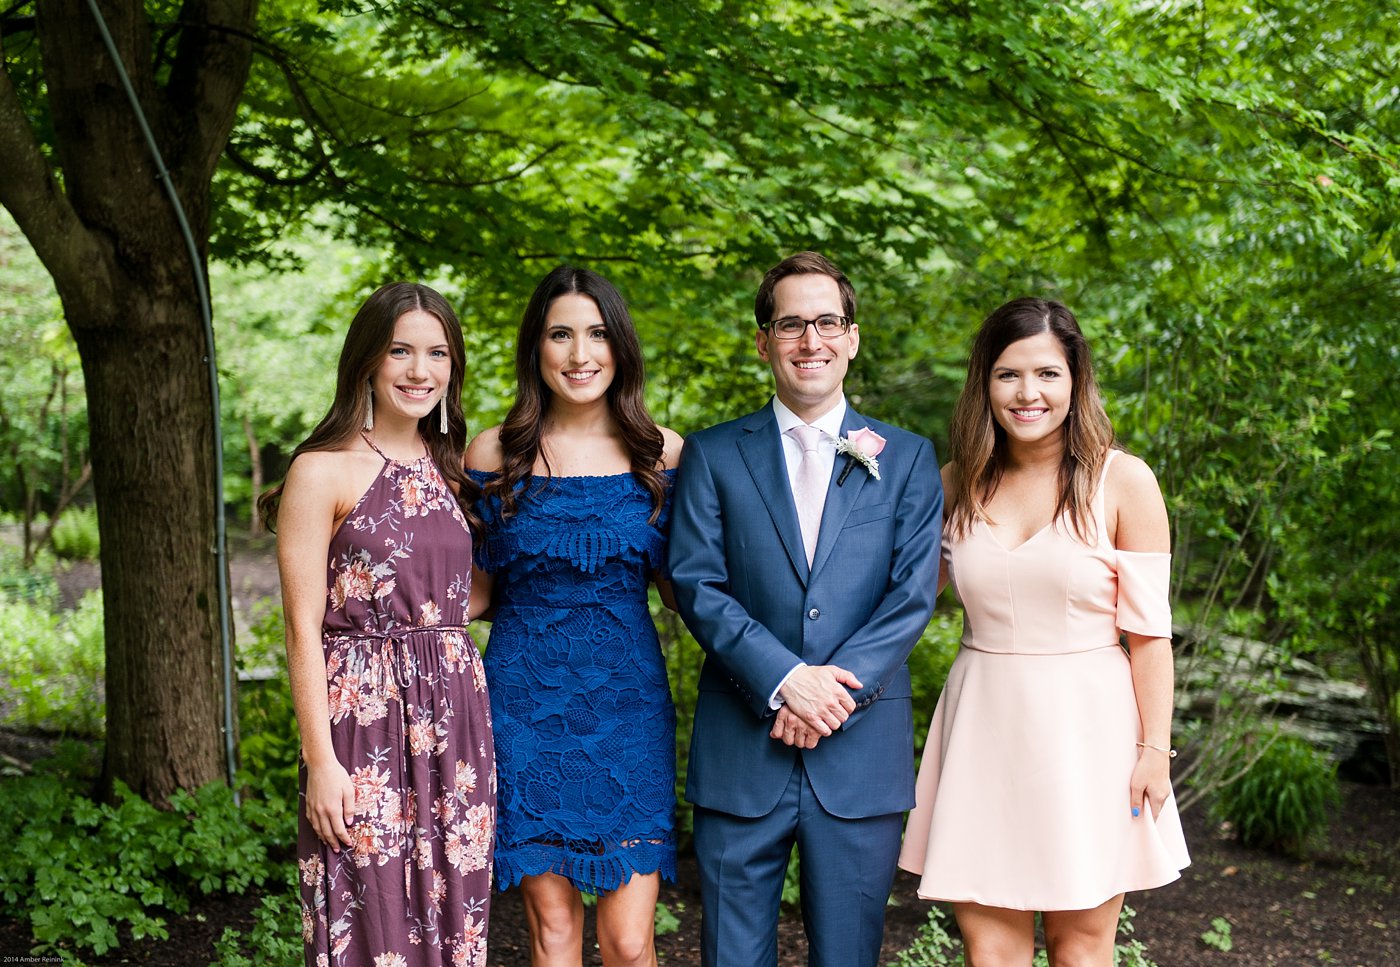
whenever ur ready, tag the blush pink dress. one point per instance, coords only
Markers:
(1022, 796)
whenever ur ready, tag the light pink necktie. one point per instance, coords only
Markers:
(809, 492)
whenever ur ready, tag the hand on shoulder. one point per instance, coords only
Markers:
(484, 452)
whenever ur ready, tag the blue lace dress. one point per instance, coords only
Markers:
(584, 726)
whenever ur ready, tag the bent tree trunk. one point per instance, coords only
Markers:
(81, 184)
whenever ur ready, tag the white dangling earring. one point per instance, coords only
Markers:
(369, 408)
(442, 413)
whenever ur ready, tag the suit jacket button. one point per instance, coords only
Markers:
(814, 614)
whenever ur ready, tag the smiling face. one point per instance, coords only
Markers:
(415, 372)
(1030, 389)
(576, 360)
(808, 372)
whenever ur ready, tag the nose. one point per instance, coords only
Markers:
(579, 353)
(1028, 389)
(811, 339)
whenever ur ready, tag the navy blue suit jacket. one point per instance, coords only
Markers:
(745, 591)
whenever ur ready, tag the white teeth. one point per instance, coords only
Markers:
(580, 377)
(814, 364)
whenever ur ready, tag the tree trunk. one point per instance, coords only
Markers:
(152, 457)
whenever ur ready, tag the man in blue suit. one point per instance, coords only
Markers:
(804, 558)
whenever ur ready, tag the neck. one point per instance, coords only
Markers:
(397, 438)
(585, 419)
(1041, 456)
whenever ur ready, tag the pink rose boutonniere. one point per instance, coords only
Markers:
(860, 446)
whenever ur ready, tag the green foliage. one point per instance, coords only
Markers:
(79, 871)
(43, 416)
(75, 535)
(929, 663)
(1218, 936)
(1282, 799)
(665, 922)
(275, 937)
(51, 666)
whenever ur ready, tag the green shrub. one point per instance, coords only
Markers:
(75, 536)
(51, 667)
(275, 937)
(1283, 799)
(79, 871)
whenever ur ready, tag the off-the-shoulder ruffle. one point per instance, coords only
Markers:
(1144, 607)
(541, 534)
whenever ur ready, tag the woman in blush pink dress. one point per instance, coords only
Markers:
(1045, 783)
(398, 775)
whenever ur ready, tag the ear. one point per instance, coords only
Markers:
(761, 340)
(853, 339)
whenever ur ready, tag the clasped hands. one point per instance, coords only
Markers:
(816, 701)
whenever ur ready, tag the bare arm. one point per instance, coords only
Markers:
(312, 501)
(672, 444)
(1140, 516)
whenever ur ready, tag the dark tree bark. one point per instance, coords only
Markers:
(108, 235)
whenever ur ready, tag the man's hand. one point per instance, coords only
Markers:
(817, 694)
(791, 730)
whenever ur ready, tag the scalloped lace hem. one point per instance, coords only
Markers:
(589, 872)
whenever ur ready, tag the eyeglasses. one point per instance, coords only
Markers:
(792, 327)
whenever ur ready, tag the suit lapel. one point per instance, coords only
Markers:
(762, 451)
(839, 500)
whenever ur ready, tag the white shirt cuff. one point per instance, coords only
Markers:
(775, 701)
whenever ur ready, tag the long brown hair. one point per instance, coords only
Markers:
(977, 443)
(367, 344)
(524, 425)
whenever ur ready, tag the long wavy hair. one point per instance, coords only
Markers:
(366, 346)
(523, 427)
(977, 442)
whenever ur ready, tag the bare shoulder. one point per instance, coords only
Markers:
(949, 473)
(1131, 480)
(1133, 505)
(671, 444)
(484, 452)
(327, 469)
(329, 481)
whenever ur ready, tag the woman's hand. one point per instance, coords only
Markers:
(1151, 780)
(330, 804)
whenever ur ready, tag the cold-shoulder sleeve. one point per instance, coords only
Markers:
(1144, 607)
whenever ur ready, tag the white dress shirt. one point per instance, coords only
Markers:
(830, 425)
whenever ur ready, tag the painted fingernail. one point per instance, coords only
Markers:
(1135, 810)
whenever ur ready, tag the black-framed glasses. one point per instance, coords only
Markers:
(792, 327)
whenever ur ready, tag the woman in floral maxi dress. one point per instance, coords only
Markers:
(398, 776)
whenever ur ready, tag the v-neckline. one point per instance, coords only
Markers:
(1013, 550)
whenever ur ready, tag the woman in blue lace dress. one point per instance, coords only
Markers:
(577, 481)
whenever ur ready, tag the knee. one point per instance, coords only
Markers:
(556, 928)
(628, 948)
(1079, 949)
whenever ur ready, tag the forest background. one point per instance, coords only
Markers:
(1213, 188)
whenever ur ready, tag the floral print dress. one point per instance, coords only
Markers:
(410, 722)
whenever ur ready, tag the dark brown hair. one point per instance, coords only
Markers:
(524, 425)
(977, 443)
(803, 263)
(367, 344)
